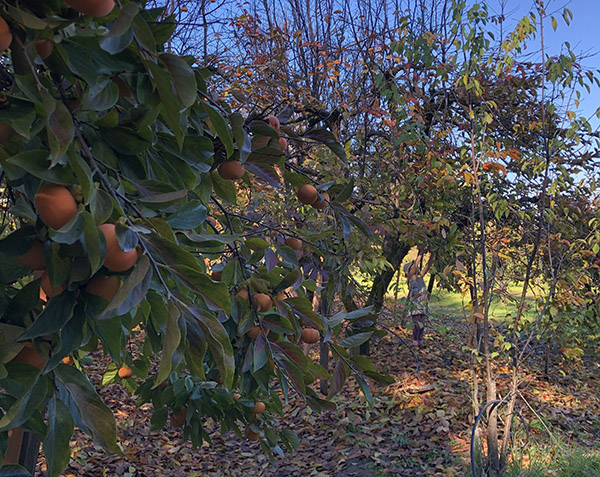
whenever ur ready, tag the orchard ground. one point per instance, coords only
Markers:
(420, 425)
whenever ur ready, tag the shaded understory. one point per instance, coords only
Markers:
(418, 426)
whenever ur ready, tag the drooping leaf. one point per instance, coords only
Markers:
(97, 418)
(170, 343)
(57, 447)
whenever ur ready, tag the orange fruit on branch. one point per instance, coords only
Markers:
(116, 259)
(274, 122)
(68, 360)
(47, 286)
(5, 35)
(320, 204)
(29, 355)
(178, 420)
(125, 372)
(231, 170)
(6, 132)
(243, 294)
(310, 336)
(251, 435)
(283, 144)
(55, 205)
(34, 258)
(44, 48)
(294, 243)
(254, 332)
(262, 302)
(259, 407)
(104, 286)
(307, 194)
(93, 8)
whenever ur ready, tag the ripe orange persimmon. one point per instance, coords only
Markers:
(44, 48)
(307, 194)
(47, 287)
(116, 259)
(294, 243)
(6, 132)
(320, 204)
(283, 144)
(243, 294)
(104, 286)
(5, 35)
(262, 302)
(125, 372)
(34, 258)
(251, 435)
(310, 336)
(93, 8)
(254, 332)
(68, 360)
(29, 355)
(55, 205)
(231, 170)
(273, 122)
(178, 420)
(259, 407)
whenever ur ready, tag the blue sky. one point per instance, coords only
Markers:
(583, 34)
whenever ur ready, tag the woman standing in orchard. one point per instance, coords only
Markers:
(418, 297)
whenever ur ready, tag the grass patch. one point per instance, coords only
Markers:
(542, 461)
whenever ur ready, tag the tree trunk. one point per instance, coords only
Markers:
(23, 449)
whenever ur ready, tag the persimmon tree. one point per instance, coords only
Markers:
(129, 225)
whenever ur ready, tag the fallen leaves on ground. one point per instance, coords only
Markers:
(420, 425)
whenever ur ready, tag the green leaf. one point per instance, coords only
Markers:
(183, 78)
(218, 342)
(101, 206)
(223, 188)
(59, 126)
(355, 340)
(353, 315)
(170, 343)
(132, 292)
(123, 22)
(93, 413)
(58, 311)
(261, 128)
(83, 173)
(260, 353)
(93, 245)
(57, 449)
(291, 437)
(365, 389)
(125, 140)
(19, 116)
(327, 137)
(14, 470)
(27, 19)
(189, 216)
(37, 163)
(23, 408)
(170, 105)
(216, 295)
(340, 374)
(221, 127)
(102, 95)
